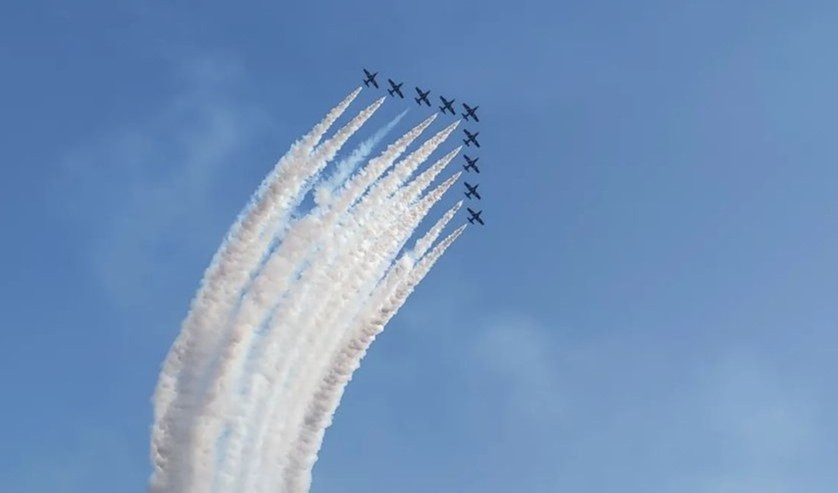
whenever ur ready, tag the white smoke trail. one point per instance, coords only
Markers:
(279, 272)
(390, 183)
(323, 192)
(248, 317)
(215, 294)
(277, 198)
(353, 189)
(424, 243)
(248, 220)
(268, 320)
(325, 328)
(317, 286)
(297, 473)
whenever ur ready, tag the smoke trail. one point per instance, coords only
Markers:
(247, 318)
(405, 168)
(215, 293)
(323, 192)
(269, 320)
(424, 243)
(244, 250)
(279, 272)
(318, 282)
(358, 184)
(297, 474)
(325, 326)
(248, 220)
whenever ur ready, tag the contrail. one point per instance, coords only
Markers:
(286, 301)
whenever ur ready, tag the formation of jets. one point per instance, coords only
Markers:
(470, 140)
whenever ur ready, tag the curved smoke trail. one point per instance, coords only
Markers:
(296, 476)
(289, 306)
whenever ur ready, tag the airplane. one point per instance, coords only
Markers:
(423, 97)
(470, 112)
(395, 88)
(446, 105)
(472, 163)
(370, 78)
(472, 138)
(475, 216)
(472, 190)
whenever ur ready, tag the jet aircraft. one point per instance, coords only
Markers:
(472, 138)
(370, 79)
(446, 105)
(472, 164)
(395, 88)
(475, 216)
(472, 191)
(423, 97)
(470, 112)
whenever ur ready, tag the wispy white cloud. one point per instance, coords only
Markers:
(144, 194)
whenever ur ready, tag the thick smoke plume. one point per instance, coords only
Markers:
(290, 304)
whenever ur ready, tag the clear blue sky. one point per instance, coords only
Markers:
(651, 306)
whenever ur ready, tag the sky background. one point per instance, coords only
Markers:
(650, 307)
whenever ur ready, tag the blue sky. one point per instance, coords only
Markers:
(651, 306)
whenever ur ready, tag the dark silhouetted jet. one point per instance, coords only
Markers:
(470, 112)
(423, 97)
(475, 216)
(395, 88)
(471, 138)
(472, 164)
(472, 191)
(370, 78)
(446, 105)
